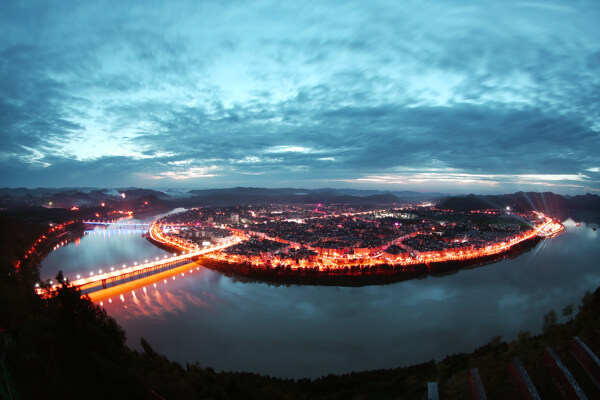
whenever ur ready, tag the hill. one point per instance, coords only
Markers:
(546, 202)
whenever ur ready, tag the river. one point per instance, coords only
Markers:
(309, 331)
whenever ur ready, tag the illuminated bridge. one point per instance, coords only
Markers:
(115, 278)
(93, 285)
(118, 277)
(138, 225)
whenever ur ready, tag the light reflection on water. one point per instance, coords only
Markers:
(160, 298)
(100, 248)
(296, 331)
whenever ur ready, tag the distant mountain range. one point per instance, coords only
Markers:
(68, 197)
(137, 198)
(522, 201)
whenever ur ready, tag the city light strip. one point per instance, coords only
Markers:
(547, 229)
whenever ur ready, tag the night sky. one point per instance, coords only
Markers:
(454, 96)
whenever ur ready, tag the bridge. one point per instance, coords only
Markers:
(118, 277)
(139, 225)
(93, 284)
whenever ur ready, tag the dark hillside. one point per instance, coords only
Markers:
(546, 202)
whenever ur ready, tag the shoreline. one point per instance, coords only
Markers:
(352, 276)
(48, 241)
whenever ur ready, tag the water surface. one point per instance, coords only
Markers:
(308, 331)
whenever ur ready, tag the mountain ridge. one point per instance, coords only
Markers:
(522, 201)
(132, 197)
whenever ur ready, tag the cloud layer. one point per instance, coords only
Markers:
(427, 96)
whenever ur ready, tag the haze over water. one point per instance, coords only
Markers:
(309, 331)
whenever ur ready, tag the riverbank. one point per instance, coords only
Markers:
(351, 272)
(354, 276)
(59, 235)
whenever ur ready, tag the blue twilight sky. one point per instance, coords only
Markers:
(455, 96)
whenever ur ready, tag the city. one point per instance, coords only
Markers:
(338, 239)
(287, 242)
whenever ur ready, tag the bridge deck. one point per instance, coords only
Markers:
(119, 290)
(116, 278)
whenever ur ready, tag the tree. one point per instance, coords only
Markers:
(60, 278)
(568, 310)
(549, 320)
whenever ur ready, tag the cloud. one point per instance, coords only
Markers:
(321, 93)
(289, 149)
(545, 6)
(485, 181)
(188, 173)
